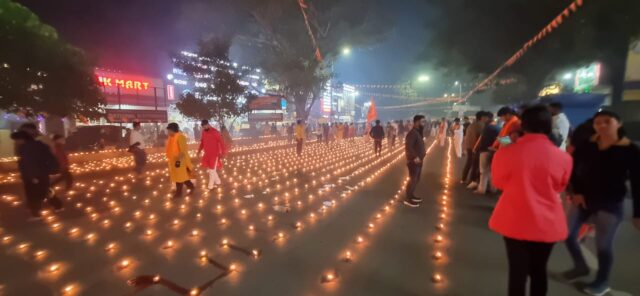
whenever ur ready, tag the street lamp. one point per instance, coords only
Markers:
(169, 76)
(459, 88)
(424, 78)
(567, 76)
(346, 51)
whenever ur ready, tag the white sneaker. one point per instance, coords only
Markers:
(472, 185)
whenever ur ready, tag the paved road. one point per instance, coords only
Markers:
(394, 256)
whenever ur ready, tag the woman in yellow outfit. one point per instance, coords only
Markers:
(180, 167)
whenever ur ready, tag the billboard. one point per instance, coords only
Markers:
(267, 103)
(632, 76)
(130, 90)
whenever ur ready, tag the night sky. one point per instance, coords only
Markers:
(136, 36)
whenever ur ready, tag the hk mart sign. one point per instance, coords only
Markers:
(109, 81)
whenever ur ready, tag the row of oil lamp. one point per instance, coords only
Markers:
(125, 263)
(374, 222)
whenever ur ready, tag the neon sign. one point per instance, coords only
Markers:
(123, 83)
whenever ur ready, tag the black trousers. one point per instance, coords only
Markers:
(467, 166)
(65, 175)
(527, 260)
(414, 176)
(36, 191)
(474, 172)
(377, 146)
(180, 185)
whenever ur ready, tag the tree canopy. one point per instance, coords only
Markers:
(39, 73)
(218, 93)
(286, 53)
(474, 38)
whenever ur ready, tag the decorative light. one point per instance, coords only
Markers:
(436, 278)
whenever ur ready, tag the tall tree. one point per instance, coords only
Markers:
(478, 38)
(218, 93)
(39, 73)
(286, 53)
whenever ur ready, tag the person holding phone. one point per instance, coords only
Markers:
(179, 162)
(510, 129)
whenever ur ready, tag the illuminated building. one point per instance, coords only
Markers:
(336, 104)
(252, 78)
(132, 98)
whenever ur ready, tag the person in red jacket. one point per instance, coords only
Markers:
(214, 149)
(532, 173)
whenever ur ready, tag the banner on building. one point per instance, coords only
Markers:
(266, 117)
(267, 103)
(142, 116)
(632, 76)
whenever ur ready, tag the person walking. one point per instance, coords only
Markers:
(36, 163)
(485, 154)
(400, 128)
(470, 138)
(415, 152)
(339, 132)
(214, 149)
(299, 136)
(529, 215)
(602, 168)
(391, 135)
(442, 131)
(377, 133)
(178, 160)
(458, 136)
(352, 130)
(137, 144)
(561, 125)
(325, 132)
(62, 156)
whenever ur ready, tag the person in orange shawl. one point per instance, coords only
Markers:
(214, 149)
(178, 160)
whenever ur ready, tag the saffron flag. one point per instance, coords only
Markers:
(373, 113)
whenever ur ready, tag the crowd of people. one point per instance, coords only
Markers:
(531, 156)
(533, 159)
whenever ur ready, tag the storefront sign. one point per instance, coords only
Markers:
(143, 116)
(107, 81)
(632, 76)
(265, 117)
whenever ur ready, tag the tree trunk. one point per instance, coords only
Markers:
(300, 102)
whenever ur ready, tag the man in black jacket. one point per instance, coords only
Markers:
(415, 152)
(36, 163)
(377, 133)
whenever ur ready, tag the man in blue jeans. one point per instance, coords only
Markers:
(415, 152)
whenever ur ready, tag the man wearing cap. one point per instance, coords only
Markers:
(214, 149)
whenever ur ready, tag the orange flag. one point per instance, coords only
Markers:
(373, 113)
